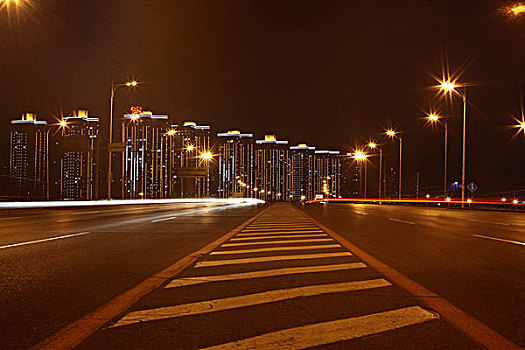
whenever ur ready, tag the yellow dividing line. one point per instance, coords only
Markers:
(331, 332)
(77, 331)
(270, 258)
(468, 325)
(189, 281)
(275, 249)
(208, 306)
(278, 242)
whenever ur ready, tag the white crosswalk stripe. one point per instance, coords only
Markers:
(334, 331)
(258, 233)
(275, 249)
(271, 258)
(245, 301)
(278, 242)
(188, 281)
(277, 236)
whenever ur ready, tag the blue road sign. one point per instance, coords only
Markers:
(472, 187)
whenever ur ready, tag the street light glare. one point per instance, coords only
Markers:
(391, 133)
(516, 10)
(190, 148)
(448, 85)
(372, 145)
(63, 123)
(206, 155)
(171, 132)
(433, 117)
(131, 83)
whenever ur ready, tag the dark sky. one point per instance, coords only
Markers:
(329, 73)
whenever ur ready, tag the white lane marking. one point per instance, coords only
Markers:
(291, 233)
(271, 258)
(500, 239)
(189, 281)
(278, 242)
(319, 334)
(277, 236)
(275, 249)
(402, 221)
(11, 218)
(245, 301)
(490, 222)
(360, 213)
(43, 240)
(279, 229)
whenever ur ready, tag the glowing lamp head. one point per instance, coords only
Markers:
(171, 132)
(448, 199)
(522, 125)
(433, 117)
(63, 123)
(428, 196)
(131, 83)
(515, 201)
(206, 155)
(372, 145)
(503, 199)
(469, 201)
(391, 133)
(448, 86)
(190, 148)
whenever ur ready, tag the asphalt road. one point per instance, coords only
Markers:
(279, 281)
(46, 283)
(474, 259)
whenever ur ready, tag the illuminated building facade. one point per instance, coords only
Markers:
(303, 162)
(273, 169)
(28, 156)
(327, 174)
(195, 175)
(146, 167)
(236, 164)
(79, 161)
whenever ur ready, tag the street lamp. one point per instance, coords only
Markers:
(373, 145)
(114, 87)
(392, 134)
(451, 87)
(361, 157)
(433, 118)
(61, 125)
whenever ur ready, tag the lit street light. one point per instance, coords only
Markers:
(433, 118)
(114, 87)
(373, 145)
(451, 87)
(391, 133)
(361, 157)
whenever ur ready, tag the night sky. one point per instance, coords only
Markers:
(328, 73)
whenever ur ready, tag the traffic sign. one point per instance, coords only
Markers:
(472, 187)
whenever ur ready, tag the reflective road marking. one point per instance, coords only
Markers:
(277, 233)
(500, 239)
(278, 242)
(402, 221)
(284, 229)
(275, 249)
(271, 258)
(334, 331)
(276, 236)
(43, 240)
(245, 301)
(490, 222)
(188, 281)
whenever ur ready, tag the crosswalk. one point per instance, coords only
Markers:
(279, 266)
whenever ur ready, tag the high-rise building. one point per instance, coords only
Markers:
(273, 169)
(303, 161)
(327, 174)
(79, 156)
(195, 170)
(28, 156)
(146, 168)
(236, 164)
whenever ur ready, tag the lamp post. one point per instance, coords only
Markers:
(207, 156)
(373, 145)
(435, 119)
(393, 134)
(452, 87)
(360, 157)
(62, 124)
(114, 87)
